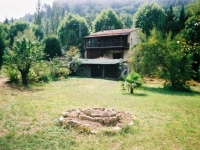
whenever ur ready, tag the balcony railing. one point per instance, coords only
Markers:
(106, 44)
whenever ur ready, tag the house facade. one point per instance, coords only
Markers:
(105, 52)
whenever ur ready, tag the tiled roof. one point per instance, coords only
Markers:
(111, 32)
(100, 61)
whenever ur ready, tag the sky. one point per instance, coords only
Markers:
(18, 8)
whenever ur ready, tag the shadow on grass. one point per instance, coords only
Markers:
(170, 91)
(22, 88)
(136, 94)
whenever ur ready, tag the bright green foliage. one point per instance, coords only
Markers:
(73, 51)
(52, 47)
(107, 20)
(165, 58)
(24, 53)
(75, 64)
(149, 16)
(132, 81)
(69, 31)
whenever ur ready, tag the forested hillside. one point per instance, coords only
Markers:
(90, 8)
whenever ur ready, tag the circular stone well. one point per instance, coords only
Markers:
(96, 118)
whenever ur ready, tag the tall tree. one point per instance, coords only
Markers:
(24, 53)
(170, 24)
(149, 16)
(39, 13)
(73, 27)
(182, 18)
(107, 20)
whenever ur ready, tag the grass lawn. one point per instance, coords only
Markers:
(165, 119)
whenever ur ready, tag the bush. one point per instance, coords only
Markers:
(12, 73)
(52, 47)
(58, 69)
(40, 72)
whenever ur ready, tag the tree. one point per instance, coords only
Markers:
(168, 59)
(15, 28)
(182, 18)
(171, 24)
(25, 52)
(107, 20)
(149, 16)
(132, 81)
(3, 33)
(52, 47)
(38, 14)
(70, 29)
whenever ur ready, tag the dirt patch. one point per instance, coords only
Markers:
(3, 81)
(96, 119)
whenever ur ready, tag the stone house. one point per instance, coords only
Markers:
(105, 50)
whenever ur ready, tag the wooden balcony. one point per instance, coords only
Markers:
(107, 45)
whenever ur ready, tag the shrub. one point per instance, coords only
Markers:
(52, 47)
(12, 73)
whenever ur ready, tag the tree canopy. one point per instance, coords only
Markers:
(52, 47)
(107, 20)
(148, 16)
(71, 28)
(166, 58)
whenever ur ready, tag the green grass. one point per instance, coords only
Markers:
(165, 119)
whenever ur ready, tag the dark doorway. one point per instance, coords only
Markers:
(96, 71)
(111, 71)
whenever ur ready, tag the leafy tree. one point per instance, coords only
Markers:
(52, 47)
(24, 53)
(70, 29)
(107, 20)
(3, 33)
(132, 81)
(15, 28)
(149, 16)
(165, 58)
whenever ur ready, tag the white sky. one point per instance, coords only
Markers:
(18, 8)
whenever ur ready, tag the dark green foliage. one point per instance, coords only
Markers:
(52, 47)
(149, 16)
(171, 23)
(70, 29)
(107, 20)
(3, 29)
(165, 58)
(14, 29)
(39, 34)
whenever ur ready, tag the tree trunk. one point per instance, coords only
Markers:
(131, 90)
(24, 75)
